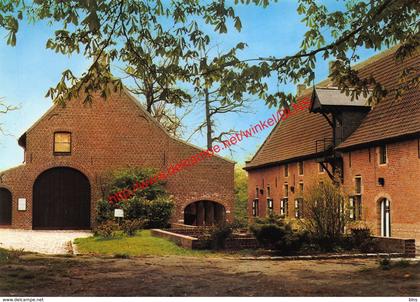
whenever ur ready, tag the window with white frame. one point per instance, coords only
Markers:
(270, 205)
(355, 207)
(299, 207)
(355, 202)
(284, 205)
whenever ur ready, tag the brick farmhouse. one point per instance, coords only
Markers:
(68, 152)
(376, 149)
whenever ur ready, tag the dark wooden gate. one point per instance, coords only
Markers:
(5, 207)
(61, 200)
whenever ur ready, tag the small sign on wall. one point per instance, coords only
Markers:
(21, 204)
(119, 213)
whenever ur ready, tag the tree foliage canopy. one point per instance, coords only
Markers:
(124, 29)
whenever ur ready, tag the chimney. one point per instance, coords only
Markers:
(300, 89)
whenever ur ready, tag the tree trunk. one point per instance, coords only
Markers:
(208, 120)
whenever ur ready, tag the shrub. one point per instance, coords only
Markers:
(130, 227)
(360, 235)
(219, 234)
(156, 213)
(106, 230)
(362, 240)
(122, 179)
(276, 233)
(151, 204)
(324, 214)
(103, 211)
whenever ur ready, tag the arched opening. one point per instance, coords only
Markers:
(5, 207)
(204, 213)
(61, 200)
(385, 217)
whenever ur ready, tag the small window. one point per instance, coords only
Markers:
(256, 192)
(321, 168)
(355, 207)
(301, 187)
(383, 157)
(349, 159)
(358, 185)
(286, 170)
(62, 142)
(255, 208)
(298, 207)
(286, 190)
(270, 205)
(284, 205)
(300, 167)
(268, 191)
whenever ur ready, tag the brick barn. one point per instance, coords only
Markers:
(69, 150)
(375, 149)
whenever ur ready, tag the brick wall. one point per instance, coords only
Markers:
(113, 134)
(402, 186)
(276, 179)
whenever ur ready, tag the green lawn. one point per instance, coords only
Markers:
(141, 244)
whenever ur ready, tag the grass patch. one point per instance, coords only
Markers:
(142, 244)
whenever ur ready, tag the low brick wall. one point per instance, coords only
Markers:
(193, 232)
(181, 240)
(396, 245)
(186, 239)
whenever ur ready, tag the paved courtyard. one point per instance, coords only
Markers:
(46, 242)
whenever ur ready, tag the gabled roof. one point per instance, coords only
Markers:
(295, 137)
(392, 118)
(22, 138)
(331, 98)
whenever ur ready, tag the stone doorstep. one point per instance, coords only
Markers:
(325, 257)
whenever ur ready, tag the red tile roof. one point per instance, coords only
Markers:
(296, 137)
(391, 118)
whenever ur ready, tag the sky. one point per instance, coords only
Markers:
(28, 70)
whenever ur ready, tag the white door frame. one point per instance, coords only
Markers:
(385, 217)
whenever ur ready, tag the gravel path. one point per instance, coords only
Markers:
(45, 242)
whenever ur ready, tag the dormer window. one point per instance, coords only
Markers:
(62, 143)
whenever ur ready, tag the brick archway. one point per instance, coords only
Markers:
(204, 213)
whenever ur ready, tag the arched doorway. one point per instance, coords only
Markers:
(61, 200)
(204, 213)
(385, 209)
(5, 207)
